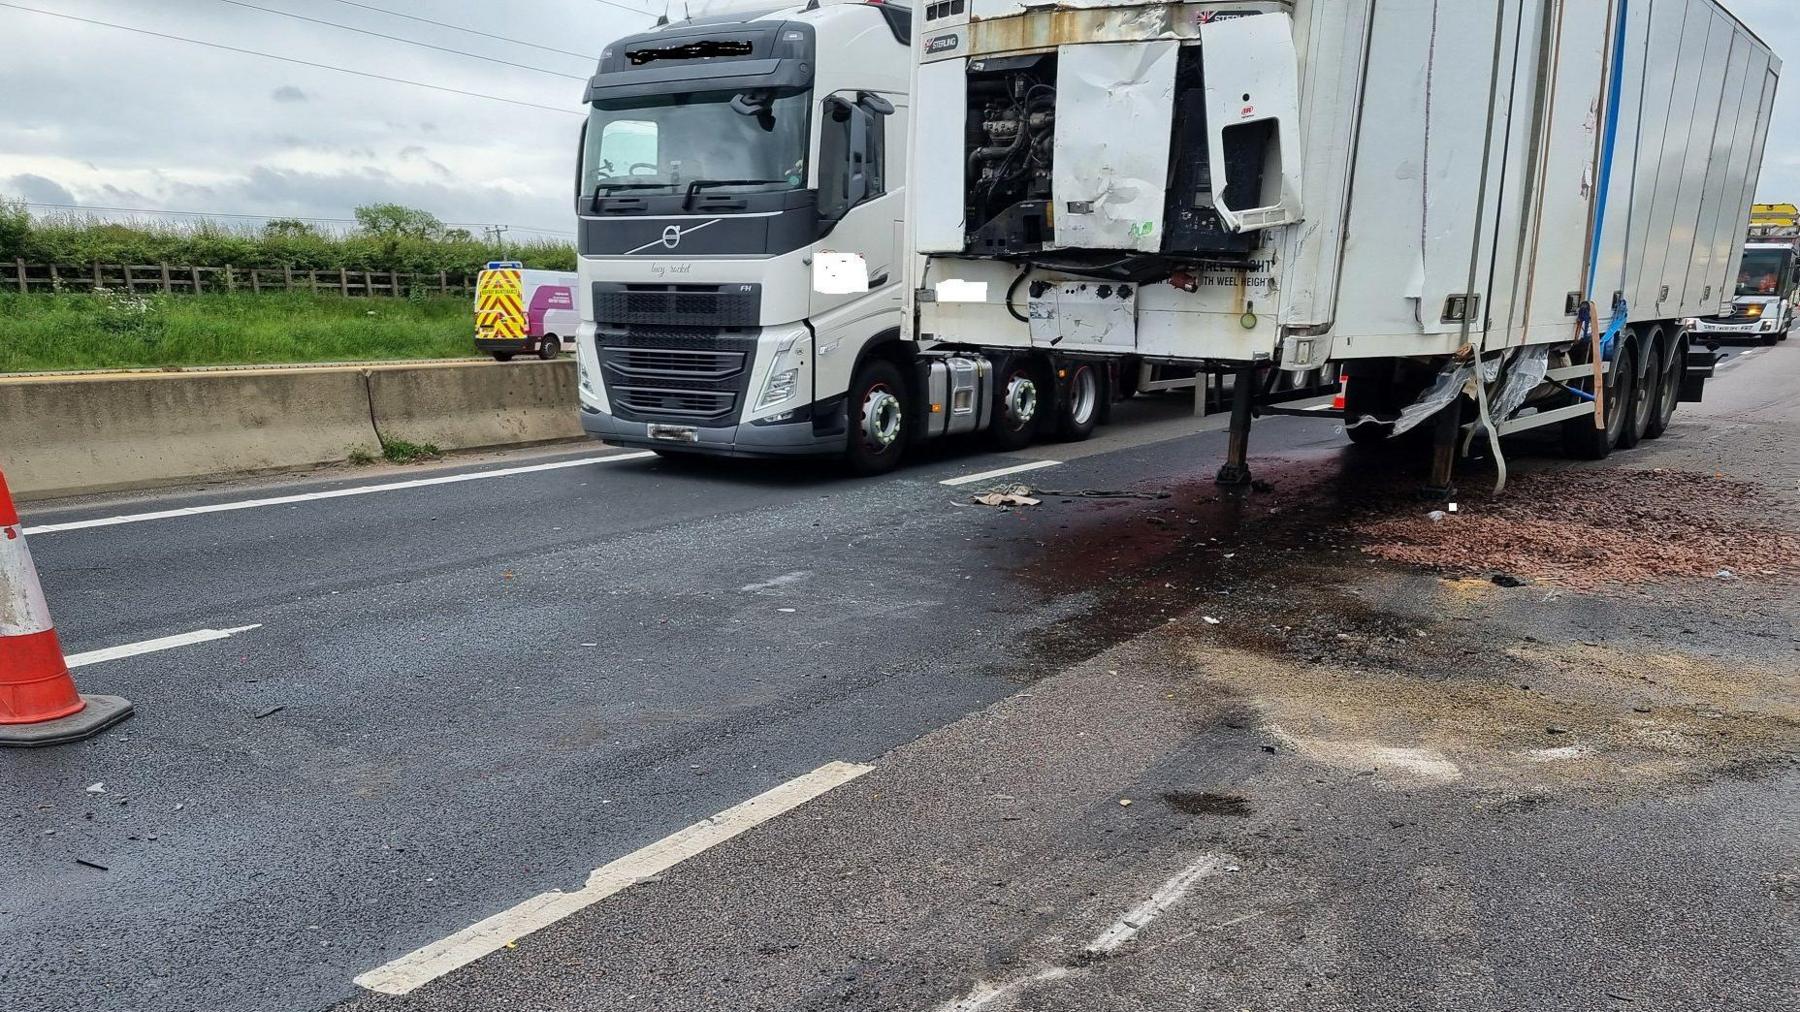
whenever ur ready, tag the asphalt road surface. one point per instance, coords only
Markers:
(589, 730)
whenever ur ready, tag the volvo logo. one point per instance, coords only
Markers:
(672, 236)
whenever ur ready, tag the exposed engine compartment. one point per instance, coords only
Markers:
(1011, 144)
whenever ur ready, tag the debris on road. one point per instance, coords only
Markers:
(1012, 495)
(97, 788)
(97, 866)
(1207, 803)
(1599, 528)
(269, 712)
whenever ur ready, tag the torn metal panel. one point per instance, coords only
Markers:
(1114, 117)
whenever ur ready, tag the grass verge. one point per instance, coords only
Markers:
(43, 332)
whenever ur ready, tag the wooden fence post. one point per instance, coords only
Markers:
(312, 278)
(255, 281)
(55, 279)
(98, 284)
(165, 279)
(343, 282)
(194, 272)
(19, 265)
(287, 277)
(443, 282)
(230, 282)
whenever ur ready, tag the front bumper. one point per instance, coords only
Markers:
(796, 438)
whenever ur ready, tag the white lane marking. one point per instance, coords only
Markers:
(1317, 407)
(988, 994)
(1139, 917)
(156, 645)
(970, 479)
(426, 964)
(779, 581)
(1123, 930)
(336, 493)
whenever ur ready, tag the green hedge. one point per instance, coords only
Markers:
(77, 240)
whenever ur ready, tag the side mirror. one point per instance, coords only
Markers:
(839, 273)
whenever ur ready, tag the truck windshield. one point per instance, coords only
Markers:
(671, 142)
(1762, 272)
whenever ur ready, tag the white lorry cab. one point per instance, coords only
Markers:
(1480, 210)
(519, 310)
(1768, 289)
(722, 157)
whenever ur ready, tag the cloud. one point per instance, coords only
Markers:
(288, 93)
(38, 190)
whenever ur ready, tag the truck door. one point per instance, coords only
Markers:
(859, 202)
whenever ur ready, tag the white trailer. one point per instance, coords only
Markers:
(1405, 188)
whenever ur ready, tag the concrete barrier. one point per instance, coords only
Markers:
(470, 406)
(74, 434)
(96, 433)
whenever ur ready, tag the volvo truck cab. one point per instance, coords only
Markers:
(730, 161)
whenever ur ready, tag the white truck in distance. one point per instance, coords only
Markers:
(1768, 287)
(1476, 208)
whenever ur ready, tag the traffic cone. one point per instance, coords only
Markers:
(1337, 403)
(38, 701)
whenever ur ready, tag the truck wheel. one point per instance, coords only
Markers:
(550, 347)
(1580, 438)
(878, 427)
(1018, 399)
(1668, 392)
(1081, 403)
(503, 356)
(1643, 399)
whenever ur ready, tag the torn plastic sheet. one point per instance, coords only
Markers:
(1446, 388)
(1527, 374)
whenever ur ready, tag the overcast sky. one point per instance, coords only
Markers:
(103, 117)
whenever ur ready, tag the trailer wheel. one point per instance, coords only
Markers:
(1018, 403)
(503, 356)
(878, 427)
(1668, 392)
(550, 347)
(1081, 403)
(1580, 438)
(1643, 397)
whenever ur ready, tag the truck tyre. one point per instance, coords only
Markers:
(503, 356)
(1580, 438)
(1643, 398)
(1018, 404)
(550, 347)
(1081, 403)
(1668, 392)
(879, 429)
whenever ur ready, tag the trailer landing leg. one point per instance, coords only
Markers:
(1236, 471)
(1441, 488)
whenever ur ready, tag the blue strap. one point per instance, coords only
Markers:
(1610, 339)
(1614, 96)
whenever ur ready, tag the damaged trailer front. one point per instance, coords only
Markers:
(1493, 215)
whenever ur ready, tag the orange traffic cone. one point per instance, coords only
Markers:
(1337, 403)
(38, 701)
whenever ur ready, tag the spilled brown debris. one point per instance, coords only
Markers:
(1592, 528)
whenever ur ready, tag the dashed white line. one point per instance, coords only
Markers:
(1139, 917)
(336, 493)
(970, 479)
(155, 645)
(774, 582)
(1121, 931)
(426, 964)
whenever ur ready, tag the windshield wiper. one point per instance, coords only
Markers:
(602, 189)
(705, 184)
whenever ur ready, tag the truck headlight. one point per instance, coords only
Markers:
(784, 374)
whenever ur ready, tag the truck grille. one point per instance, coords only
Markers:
(649, 305)
(683, 375)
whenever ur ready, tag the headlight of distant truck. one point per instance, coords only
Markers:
(1753, 312)
(784, 374)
